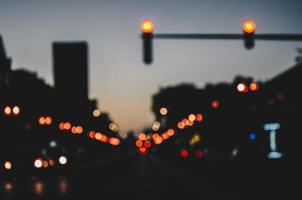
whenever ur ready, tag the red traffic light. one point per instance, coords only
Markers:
(249, 26)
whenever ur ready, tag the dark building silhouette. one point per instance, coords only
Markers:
(5, 64)
(22, 137)
(229, 126)
(70, 61)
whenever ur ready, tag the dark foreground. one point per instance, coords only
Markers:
(151, 177)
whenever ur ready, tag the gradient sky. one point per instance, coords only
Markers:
(119, 80)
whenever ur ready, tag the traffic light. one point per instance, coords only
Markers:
(248, 28)
(147, 28)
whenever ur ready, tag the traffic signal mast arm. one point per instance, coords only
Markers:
(248, 36)
(230, 36)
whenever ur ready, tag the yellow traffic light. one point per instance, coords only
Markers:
(147, 26)
(249, 26)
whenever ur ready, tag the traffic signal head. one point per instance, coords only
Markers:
(147, 28)
(249, 28)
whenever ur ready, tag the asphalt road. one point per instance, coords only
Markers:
(151, 177)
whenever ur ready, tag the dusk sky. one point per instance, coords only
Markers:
(119, 80)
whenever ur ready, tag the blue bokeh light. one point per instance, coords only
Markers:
(252, 136)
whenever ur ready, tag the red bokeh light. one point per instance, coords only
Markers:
(147, 144)
(184, 153)
(215, 104)
(198, 154)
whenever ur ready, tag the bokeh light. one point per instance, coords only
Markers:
(215, 103)
(198, 154)
(192, 117)
(138, 143)
(8, 165)
(147, 26)
(62, 160)
(242, 88)
(254, 86)
(16, 110)
(249, 26)
(184, 153)
(38, 163)
(142, 136)
(163, 111)
(199, 117)
(8, 187)
(156, 126)
(114, 127)
(96, 113)
(38, 188)
(7, 110)
(114, 141)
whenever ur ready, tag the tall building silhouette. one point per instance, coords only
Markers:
(5, 65)
(70, 62)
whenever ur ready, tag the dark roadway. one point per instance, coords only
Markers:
(151, 177)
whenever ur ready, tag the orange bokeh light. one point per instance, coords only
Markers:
(138, 143)
(51, 162)
(155, 136)
(254, 86)
(91, 134)
(42, 121)
(104, 138)
(158, 140)
(48, 120)
(39, 187)
(8, 186)
(170, 132)
(114, 141)
(199, 117)
(147, 26)
(143, 150)
(79, 130)
(249, 26)
(165, 136)
(67, 125)
(45, 164)
(73, 130)
(98, 136)
(61, 125)
(180, 125)
(7, 110)
(185, 121)
(142, 136)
